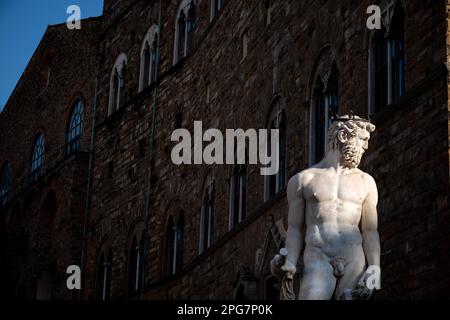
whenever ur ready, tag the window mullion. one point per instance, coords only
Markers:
(105, 279)
(202, 229)
(389, 71)
(232, 202)
(241, 196)
(175, 250)
(186, 32)
(210, 224)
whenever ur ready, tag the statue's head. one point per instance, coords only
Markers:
(350, 135)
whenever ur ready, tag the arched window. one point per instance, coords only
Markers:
(397, 38)
(122, 74)
(184, 30)
(37, 158)
(387, 57)
(154, 60)
(379, 47)
(276, 183)
(117, 84)
(215, 7)
(181, 40)
(104, 274)
(238, 194)
(5, 183)
(148, 68)
(190, 28)
(114, 91)
(207, 215)
(268, 6)
(75, 129)
(136, 263)
(324, 106)
(175, 244)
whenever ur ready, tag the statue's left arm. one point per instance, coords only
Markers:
(369, 224)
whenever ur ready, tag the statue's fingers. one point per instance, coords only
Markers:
(277, 259)
(362, 282)
(357, 293)
(366, 294)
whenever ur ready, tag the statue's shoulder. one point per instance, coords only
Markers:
(302, 177)
(367, 177)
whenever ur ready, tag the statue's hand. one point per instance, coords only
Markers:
(288, 267)
(369, 282)
(279, 266)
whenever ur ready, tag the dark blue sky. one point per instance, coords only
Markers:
(22, 25)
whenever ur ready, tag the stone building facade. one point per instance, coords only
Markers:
(43, 207)
(142, 227)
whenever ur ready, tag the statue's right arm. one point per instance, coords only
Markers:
(294, 237)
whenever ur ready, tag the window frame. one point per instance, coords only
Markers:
(37, 157)
(206, 235)
(136, 263)
(238, 202)
(117, 84)
(215, 7)
(392, 35)
(5, 183)
(277, 120)
(147, 70)
(104, 274)
(175, 244)
(74, 132)
(182, 50)
(324, 98)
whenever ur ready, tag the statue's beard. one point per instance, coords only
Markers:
(351, 155)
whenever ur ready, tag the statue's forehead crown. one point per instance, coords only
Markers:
(351, 122)
(349, 117)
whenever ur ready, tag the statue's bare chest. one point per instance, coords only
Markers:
(327, 186)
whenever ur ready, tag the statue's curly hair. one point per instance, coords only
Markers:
(350, 127)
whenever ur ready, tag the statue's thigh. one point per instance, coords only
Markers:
(318, 281)
(353, 273)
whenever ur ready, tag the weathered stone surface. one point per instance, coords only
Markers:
(412, 140)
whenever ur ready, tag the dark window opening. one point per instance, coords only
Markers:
(191, 25)
(147, 67)
(277, 182)
(115, 88)
(325, 107)
(388, 62)
(381, 70)
(238, 195)
(398, 52)
(207, 216)
(75, 130)
(175, 245)
(181, 37)
(37, 159)
(5, 183)
(154, 57)
(104, 276)
(136, 265)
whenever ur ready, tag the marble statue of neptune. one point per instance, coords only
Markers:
(332, 222)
